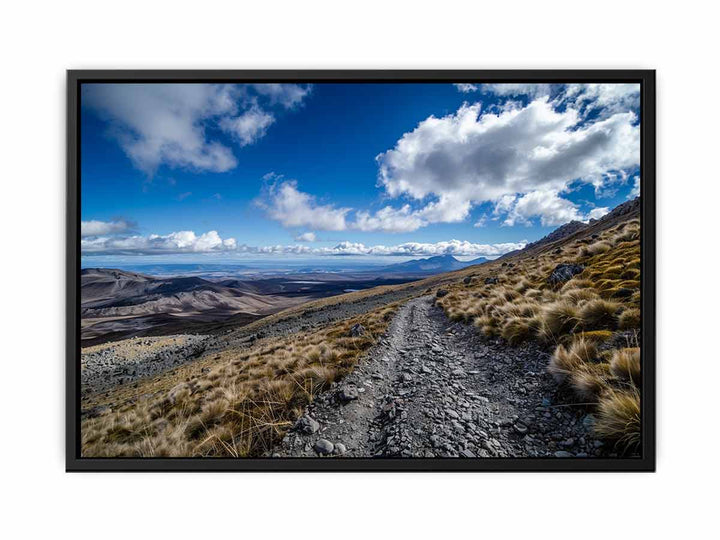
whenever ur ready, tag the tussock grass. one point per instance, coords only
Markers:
(578, 319)
(558, 318)
(566, 360)
(618, 418)
(589, 381)
(625, 365)
(599, 313)
(629, 319)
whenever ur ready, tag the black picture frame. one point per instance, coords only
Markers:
(646, 461)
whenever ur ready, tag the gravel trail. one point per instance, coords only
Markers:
(433, 388)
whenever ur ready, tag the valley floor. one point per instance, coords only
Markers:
(434, 388)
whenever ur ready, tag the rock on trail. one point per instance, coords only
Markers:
(433, 388)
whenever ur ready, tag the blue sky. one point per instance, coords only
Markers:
(222, 173)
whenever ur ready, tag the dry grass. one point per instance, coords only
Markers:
(629, 319)
(576, 319)
(237, 404)
(625, 365)
(618, 418)
(565, 361)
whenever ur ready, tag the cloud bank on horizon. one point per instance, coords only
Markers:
(508, 155)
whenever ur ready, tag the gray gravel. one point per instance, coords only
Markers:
(129, 360)
(433, 388)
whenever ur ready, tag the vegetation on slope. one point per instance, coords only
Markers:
(237, 403)
(591, 321)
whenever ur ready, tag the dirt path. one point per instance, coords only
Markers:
(433, 388)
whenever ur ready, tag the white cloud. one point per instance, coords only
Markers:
(606, 99)
(249, 126)
(158, 124)
(446, 209)
(597, 213)
(482, 221)
(547, 205)
(98, 228)
(283, 202)
(306, 237)
(517, 89)
(408, 249)
(635, 192)
(176, 242)
(389, 219)
(210, 242)
(466, 88)
(287, 95)
(467, 158)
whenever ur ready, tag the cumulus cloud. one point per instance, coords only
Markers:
(635, 192)
(548, 206)
(466, 88)
(97, 228)
(605, 99)
(517, 89)
(408, 249)
(482, 221)
(390, 220)
(249, 126)
(287, 95)
(211, 242)
(446, 209)
(154, 244)
(168, 124)
(284, 202)
(306, 237)
(466, 158)
(597, 213)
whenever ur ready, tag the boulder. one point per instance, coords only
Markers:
(491, 280)
(307, 425)
(340, 449)
(323, 447)
(441, 292)
(564, 272)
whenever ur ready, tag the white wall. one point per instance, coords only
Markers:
(38, 42)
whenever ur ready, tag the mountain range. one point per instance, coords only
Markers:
(431, 265)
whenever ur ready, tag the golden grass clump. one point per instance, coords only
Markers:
(629, 319)
(558, 318)
(519, 329)
(589, 380)
(567, 360)
(625, 365)
(618, 418)
(595, 249)
(599, 313)
(597, 336)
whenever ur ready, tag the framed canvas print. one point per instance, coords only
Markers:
(361, 271)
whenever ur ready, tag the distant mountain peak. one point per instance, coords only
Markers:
(436, 264)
